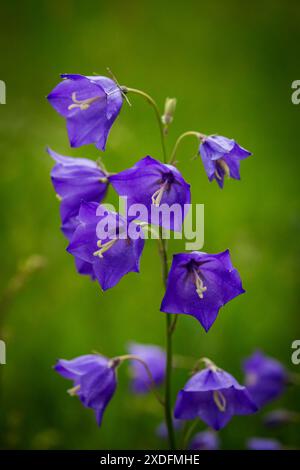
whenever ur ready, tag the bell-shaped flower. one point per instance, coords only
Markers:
(221, 157)
(74, 180)
(199, 284)
(94, 380)
(155, 359)
(265, 378)
(159, 188)
(263, 443)
(205, 440)
(215, 397)
(110, 242)
(90, 106)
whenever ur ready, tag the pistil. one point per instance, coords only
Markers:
(223, 165)
(82, 104)
(219, 400)
(157, 196)
(200, 288)
(103, 248)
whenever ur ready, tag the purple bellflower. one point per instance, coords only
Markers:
(74, 180)
(206, 440)
(265, 378)
(90, 106)
(94, 380)
(155, 358)
(215, 397)
(261, 443)
(111, 254)
(221, 157)
(82, 267)
(155, 185)
(199, 284)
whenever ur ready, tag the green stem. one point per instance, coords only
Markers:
(180, 138)
(157, 113)
(169, 359)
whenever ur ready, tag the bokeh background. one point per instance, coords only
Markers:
(230, 65)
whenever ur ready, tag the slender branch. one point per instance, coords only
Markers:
(188, 431)
(133, 357)
(157, 113)
(198, 135)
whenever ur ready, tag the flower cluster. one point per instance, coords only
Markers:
(107, 245)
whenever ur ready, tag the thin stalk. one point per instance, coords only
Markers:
(180, 138)
(151, 101)
(169, 359)
(133, 357)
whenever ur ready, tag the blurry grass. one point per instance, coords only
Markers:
(230, 66)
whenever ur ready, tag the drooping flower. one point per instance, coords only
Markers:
(82, 267)
(277, 418)
(156, 186)
(206, 440)
(103, 239)
(265, 378)
(215, 397)
(221, 157)
(74, 180)
(199, 284)
(90, 106)
(162, 430)
(155, 358)
(262, 443)
(94, 380)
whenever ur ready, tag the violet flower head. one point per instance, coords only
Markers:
(215, 397)
(162, 430)
(74, 180)
(155, 358)
(94, 380)
(157, 187)
(206, 440)
(265, 378)
(90, 106)
(102, 238)
(261, 443)
(199, 284)
(221, 157)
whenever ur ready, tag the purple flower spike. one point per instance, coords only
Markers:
(214, 396)
(265, 378)
(206, 440)
(99, 240)
(94, 380)
(221, 157)
(259, 443)
(74, 180)
(155, 358)
(199, 284)
(90, 106)
(156, 186)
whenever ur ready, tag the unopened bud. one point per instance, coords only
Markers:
(170, 106)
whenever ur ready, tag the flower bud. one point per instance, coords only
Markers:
(170, 106)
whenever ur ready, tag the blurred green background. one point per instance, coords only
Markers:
(230, 65)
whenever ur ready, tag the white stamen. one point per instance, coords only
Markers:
(219, 400)
(200, 288)
(82, 104)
